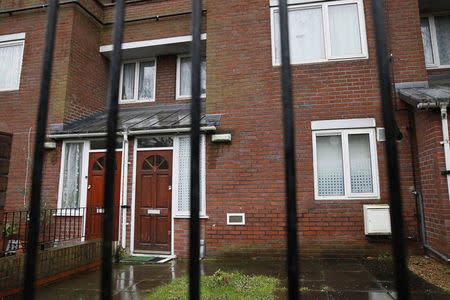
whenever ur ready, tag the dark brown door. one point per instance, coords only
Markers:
(95, 195)
(153, 201)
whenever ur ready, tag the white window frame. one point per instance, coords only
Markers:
(327, 35)
(178, 96)
(346, 163)
(137, 63)
(235, 215)
(83, 184)
(12, 40)
(175, 171)
(434, 45)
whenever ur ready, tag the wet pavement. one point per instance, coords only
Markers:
(320, 279)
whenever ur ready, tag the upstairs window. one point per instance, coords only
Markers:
(184, 71)
(436, 41)
(11, 54)
(138, 81)
(322, 31)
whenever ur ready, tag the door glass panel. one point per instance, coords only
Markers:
(154, 142)
(155, 162)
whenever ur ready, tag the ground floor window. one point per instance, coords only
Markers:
(345, 164)
(71, 177)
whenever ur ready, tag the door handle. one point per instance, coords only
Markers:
(170, 187)
(89, 186)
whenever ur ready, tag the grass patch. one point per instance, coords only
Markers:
(221, 286)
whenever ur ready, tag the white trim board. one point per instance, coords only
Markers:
(152, 43)
(343, 124)
(12, 37)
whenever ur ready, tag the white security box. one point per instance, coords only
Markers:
(377, 219)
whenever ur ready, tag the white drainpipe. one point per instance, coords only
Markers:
(445, 142)
(123, 211)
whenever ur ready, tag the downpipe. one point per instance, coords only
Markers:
(445, 142)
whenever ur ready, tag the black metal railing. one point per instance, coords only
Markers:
(398, 246)
(58, 226)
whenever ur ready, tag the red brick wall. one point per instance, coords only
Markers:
(247, 175)
(434, 188)
(5, 155)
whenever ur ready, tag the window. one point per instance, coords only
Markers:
(436, 41)
(11, 54)
(181, 179)
(323, 31)
(184, 77)
(71, 175)
(345, 164)
(138, 81)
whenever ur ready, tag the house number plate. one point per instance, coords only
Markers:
(153, 211)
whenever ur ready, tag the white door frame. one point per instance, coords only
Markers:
(133, 197)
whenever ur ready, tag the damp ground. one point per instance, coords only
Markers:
(320, 279)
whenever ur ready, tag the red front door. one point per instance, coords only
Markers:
(153, 201)
(95, 195)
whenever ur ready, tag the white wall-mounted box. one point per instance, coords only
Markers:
(377, 220)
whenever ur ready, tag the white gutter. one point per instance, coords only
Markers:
(132, 133)
(123, 211)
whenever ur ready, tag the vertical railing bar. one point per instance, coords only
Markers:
(194, 237)
(113, 111)
(289, 155)
(398, 242)
(41, 127)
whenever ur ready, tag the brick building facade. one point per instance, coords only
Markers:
(337, 110)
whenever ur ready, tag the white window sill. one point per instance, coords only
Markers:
(68, 214)
(438, 67)
(136, 101)
(202, 96)
(9, 90)
(368, 198)
(324, 61)
(188, 217)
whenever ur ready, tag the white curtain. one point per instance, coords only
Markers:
(426, 38)
(128, 81)
(203, 77)
(72, 175)
(443, 38)
(330, 170)
(344, 30)
(306, 38)
(10, 65)
(360, 163)
(146, 80)
(184, 169)
(185, 76)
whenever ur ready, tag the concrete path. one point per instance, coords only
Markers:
(321, 279)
